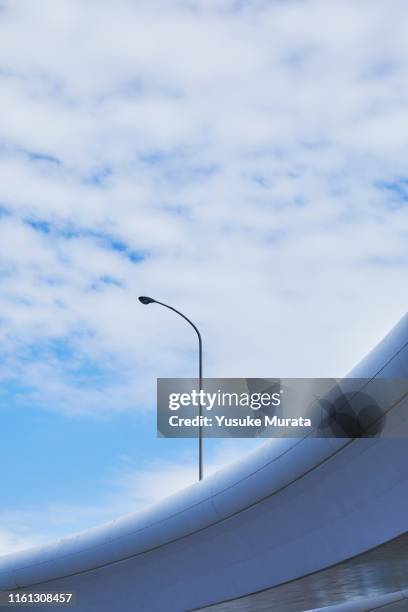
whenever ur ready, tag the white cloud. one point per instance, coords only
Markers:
(14, 541)
(253, 153)
(142, 486)
(240, 147)
(131, 489)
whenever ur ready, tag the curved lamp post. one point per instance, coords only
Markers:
(148, 300)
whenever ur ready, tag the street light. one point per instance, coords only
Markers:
(148, 300)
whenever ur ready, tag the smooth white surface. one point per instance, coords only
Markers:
(290, 508)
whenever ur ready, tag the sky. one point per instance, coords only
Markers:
(244, 161)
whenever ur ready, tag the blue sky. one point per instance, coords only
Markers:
(244, 161)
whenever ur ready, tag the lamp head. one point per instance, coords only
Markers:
(146, 300)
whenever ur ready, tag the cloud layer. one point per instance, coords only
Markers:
(243, 161)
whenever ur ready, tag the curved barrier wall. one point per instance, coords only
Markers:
(391, 602)
(290, 508)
